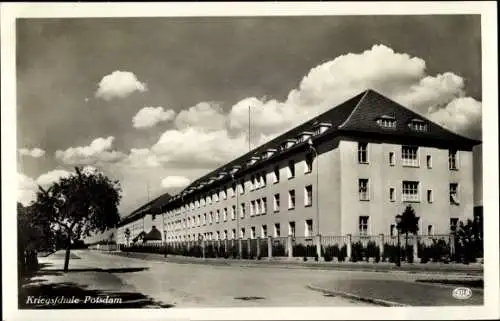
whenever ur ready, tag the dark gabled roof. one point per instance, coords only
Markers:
(356, 115)
(374, 105)
(152, 207)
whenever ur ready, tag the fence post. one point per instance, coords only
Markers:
(318, 245)
(381, 244)
(269, 247)
(203, 248)
(452, 245)
(349, 246)
(258, 246)
(225, 247)
(416, 259)
(240, 248)
(249, 246)
(289, 246)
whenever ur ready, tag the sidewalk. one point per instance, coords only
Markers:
(475, 269)
(396, 293)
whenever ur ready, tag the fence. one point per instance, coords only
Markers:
(385, 248)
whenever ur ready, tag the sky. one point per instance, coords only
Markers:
(158, 102)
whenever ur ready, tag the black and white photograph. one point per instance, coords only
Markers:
(284, 155)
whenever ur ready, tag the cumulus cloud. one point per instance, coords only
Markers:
(52, 177)
(206, 115)
(151, 116)
(141, 158)
(35, 152)
(175, 182)
(462, 115)
(119, 84)
(195, 147)
(99, 151)
(26, 189)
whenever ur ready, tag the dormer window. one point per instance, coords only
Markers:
(269, 152)
(253, 160)
(418, 125)
(321, 128)
(304, 136)
(386, 122)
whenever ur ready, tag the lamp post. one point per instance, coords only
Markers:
(398, 227)
(311, 147)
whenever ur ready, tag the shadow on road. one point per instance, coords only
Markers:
(112, 270)
(65, 295)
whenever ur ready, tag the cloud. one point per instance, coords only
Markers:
(35, 152)
(97, 152)
(119, 84)
(26, 189)
(175, 182)
(52, 176)
(151, 116)
(462, 115)
(206, 115)
(198, 148)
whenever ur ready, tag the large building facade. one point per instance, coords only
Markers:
(350, 170)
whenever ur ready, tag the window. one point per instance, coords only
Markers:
(309, 228)
(452, 159)
(218, 235)
(429, 161)
(242, 187)
(418, 125)
(252, 182)
(242, 233)
(233, 190)
(216, 197)
(209, 200)
(224, 214)
(264, 179)
(263, 231)
(410, 191)
(252, 232)
(199, 220)
(363, 225)
(225, 234)
(233, 212)
(210, 217)
(252, 208)
(308, 163)
(392, 197)
(291, 169)
(409, 156)
(363, 153)
(454, 194)
(217, 216)
(233, 233)
(308, 191)
(429, 196)
(257, 207)
(277, 231)
(453, 224)
(242, 210)
(363, 189)
(391, 158)
(264, 205)
(291, 199)
(276, 202)
(223, 194)
(386, 122)
(276, 174)
(392, 230)
(291, 229)
(429, 229)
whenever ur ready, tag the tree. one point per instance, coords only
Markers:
(127, 235)
(33, 234)
(79, 205)
(409, 223)
(469, 241)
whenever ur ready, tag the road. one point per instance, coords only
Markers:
(197, 285)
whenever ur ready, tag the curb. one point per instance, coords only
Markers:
(347, 295)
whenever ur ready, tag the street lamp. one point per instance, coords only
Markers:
(311, 147)
(398, 227)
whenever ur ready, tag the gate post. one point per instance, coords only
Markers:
(349, 246)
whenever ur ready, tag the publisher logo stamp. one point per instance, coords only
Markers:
(462, 293)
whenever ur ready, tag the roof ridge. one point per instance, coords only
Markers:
(354, 109)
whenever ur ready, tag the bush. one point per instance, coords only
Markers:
(279, 249)
(357, 252)
(342, 254)
(298, 250)
(390, 253)
(263, 248)
(372, 250)
(328, 252)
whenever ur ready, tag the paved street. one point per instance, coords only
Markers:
(196, 285)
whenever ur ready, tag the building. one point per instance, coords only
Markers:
(350, 170)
